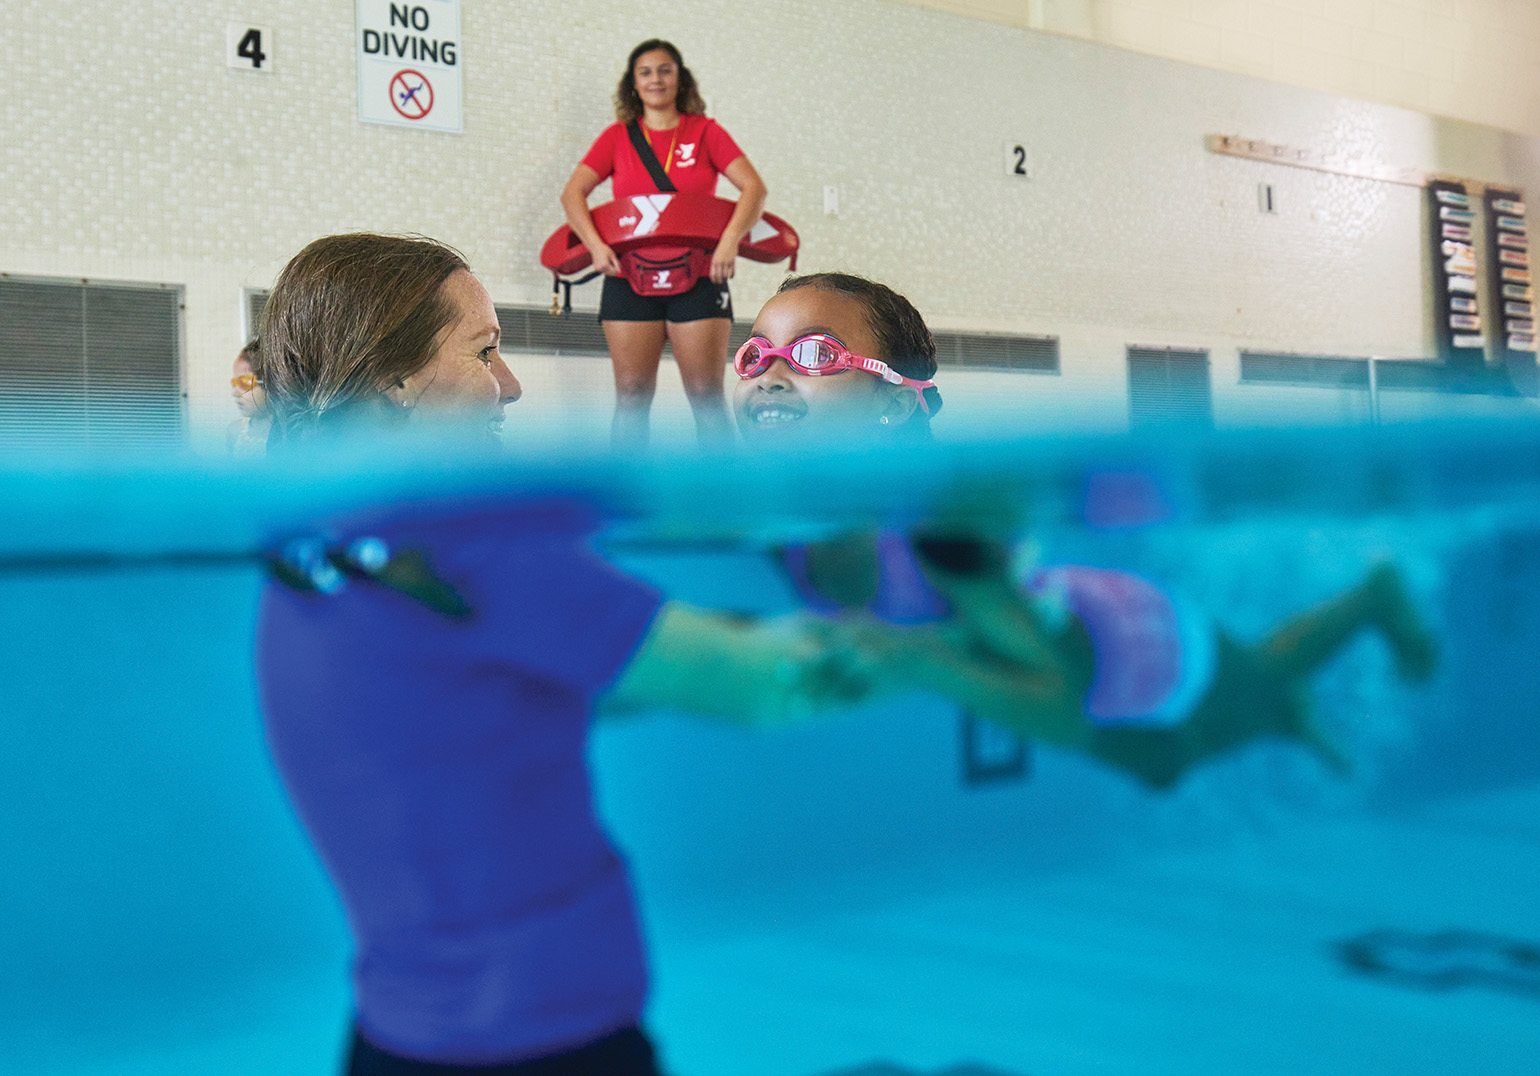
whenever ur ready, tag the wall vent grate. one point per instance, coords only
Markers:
(1285, 368)
(86, 365)
(998, 351)
(1169, 387)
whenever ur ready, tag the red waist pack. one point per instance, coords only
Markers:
(664, 270)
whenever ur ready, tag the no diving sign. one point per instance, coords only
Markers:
(411, 94)
(409, 63)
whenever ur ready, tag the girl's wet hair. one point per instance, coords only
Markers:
(628, 103)
(906, 343)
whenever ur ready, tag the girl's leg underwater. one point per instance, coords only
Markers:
(1259, 691)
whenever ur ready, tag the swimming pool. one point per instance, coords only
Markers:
(837, 898)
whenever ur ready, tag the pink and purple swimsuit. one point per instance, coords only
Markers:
(1153, 651)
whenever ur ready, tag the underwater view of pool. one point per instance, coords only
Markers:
(897, 890)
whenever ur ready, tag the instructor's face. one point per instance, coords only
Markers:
(657, 78)
(465, 384)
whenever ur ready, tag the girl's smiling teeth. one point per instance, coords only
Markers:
(775, 412)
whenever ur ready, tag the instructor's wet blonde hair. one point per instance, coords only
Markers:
(350, 316)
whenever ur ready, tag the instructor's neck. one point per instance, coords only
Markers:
(658, 119)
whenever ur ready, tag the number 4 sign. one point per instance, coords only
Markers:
(249, 48)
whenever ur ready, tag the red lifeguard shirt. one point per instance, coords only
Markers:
(694, 153)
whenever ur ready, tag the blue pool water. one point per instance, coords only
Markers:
(836, 898)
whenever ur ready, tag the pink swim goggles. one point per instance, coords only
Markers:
(816, 355)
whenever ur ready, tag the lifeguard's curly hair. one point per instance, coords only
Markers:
(628, 103)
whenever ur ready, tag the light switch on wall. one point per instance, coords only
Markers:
(831, 201)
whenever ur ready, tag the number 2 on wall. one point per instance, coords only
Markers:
(1017, 162)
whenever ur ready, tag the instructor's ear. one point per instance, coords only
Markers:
(400, 395)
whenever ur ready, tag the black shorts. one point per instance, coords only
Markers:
(705, 300)
(622, 1053)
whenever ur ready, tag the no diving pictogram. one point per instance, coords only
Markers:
(411, 94)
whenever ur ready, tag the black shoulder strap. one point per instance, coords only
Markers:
(649, 158)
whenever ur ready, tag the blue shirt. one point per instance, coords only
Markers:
(440, 769)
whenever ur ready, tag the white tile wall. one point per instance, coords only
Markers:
(131, 151)
(1467, 59)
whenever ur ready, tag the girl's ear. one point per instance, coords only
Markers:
(900, 404)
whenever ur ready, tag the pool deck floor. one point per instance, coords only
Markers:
(1206, 961)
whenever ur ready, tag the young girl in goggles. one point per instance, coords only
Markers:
(1099, 661)
(830, 352)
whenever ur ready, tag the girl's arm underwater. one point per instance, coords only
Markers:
(747, 670)
(1039, 701)
(774, 671)
(988, 605)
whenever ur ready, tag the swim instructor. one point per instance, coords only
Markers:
(659, 113)
(430, 721)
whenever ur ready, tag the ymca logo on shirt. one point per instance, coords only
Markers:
(684, 157)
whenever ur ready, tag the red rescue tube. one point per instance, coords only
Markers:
(669, 220)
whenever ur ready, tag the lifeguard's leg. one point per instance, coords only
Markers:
(635, 348)
(700, 348)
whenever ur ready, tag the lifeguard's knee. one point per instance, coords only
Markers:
(635, 391)
(705, 389)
